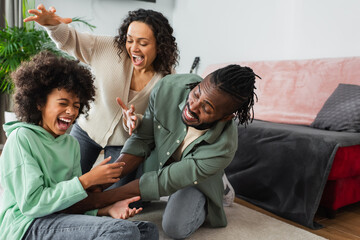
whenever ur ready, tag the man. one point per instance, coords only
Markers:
(187, 137)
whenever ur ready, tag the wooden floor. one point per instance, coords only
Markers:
(345, 225)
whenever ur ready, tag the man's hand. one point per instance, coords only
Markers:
(129, 116)
(120, 209)
(102, 174)
(46, 17)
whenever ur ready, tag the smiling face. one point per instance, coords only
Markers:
(206, 105)
(59, 112)
(141, 45)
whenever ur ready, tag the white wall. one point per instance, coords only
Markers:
(106, 15)
(238, 30)
(242, 30)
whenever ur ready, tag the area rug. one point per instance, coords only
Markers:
(243, 223)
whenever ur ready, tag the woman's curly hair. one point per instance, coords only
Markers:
(34, 80)
(167, 51)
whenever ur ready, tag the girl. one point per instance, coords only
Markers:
(40, 163)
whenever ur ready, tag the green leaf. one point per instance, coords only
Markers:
(18, 44)
(26, 5)
(80, 20)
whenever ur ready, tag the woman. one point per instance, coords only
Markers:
(127, 66)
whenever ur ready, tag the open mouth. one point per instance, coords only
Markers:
(64, 123)
(188, 115)
(137, 60)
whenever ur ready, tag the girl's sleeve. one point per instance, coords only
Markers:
(77, 173)
(25, 181)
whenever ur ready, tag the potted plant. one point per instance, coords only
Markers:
(19, 44)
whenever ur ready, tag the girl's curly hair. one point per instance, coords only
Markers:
(35, 79)
(167, 51)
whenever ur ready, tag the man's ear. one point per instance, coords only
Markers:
(228, 117)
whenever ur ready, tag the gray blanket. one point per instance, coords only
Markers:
(283, 168)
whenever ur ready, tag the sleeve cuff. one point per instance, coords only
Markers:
(92, 212)
(138, 120)
(58, 33)
(148, 185)
(55, 28)
(51, 28)
(79, 188)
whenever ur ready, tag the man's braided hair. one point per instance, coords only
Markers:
(239, 82)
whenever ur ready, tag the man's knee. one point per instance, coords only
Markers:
(177, 230)
(179, 222)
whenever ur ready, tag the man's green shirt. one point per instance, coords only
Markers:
(202, 162)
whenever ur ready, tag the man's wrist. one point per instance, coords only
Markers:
(103, 211)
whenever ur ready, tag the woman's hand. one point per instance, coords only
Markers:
(46, 17)
(102, 174)
(129, 116)
(121, 210)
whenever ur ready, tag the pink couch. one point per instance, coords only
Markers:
(293, 92)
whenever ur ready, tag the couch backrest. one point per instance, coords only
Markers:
(293, 91)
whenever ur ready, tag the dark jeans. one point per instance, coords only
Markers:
(73, 226)
(90, 150)
(185, 212)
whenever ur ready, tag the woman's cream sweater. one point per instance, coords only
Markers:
(112, 79)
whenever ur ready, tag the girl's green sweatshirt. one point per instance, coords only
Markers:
(39, 174)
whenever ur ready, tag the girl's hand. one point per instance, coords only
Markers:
(102, 174)
(129, 116)
(45, 17)
(121, 210)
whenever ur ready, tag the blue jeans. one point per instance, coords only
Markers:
(90, 150)
(73, 226)
(185, 212)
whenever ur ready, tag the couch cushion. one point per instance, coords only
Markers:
(341, 111)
